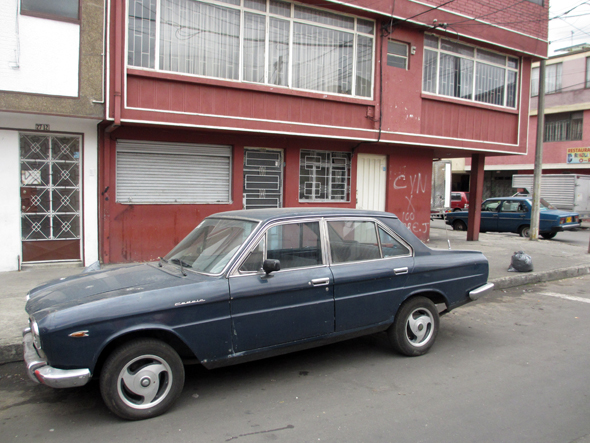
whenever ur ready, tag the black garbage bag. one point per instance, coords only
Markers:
(521, 262)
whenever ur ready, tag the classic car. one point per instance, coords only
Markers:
(242, 286)
(513, 214)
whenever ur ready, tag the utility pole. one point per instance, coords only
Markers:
(534, 234)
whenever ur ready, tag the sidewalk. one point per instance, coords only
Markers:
(552, 260)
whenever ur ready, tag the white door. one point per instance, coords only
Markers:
(371, 179)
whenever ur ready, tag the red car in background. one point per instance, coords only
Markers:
(459, 201)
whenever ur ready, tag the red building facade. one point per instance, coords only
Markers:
(221, 105)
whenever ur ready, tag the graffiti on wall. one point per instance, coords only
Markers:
(414, 185)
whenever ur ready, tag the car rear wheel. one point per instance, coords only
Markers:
(524, 231)
(142, 379)
(459, 225)
(549, 235)
(415, 327)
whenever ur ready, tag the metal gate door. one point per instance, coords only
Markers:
(263, 178)
(50, 197)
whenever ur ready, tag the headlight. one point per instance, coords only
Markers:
(35, 332)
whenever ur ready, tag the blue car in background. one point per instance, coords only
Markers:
(513, 214)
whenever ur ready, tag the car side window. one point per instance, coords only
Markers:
(352, 241)
(511, 206)
(255, 259)
(490, 205)
(390, 246)
(295, 245)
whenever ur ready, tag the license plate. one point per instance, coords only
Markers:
(568, 220)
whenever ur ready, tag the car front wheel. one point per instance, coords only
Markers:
(142, 379)
(524, 231)
(415, 327)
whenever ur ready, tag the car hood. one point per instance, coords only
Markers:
(87, 287)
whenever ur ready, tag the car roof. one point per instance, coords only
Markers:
(509, 198)
(282, 213)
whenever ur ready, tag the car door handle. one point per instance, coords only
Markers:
(320, 282)
(400, 271)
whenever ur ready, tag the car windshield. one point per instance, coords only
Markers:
(211, 245)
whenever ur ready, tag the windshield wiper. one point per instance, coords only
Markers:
(182, 264)
(162, 259)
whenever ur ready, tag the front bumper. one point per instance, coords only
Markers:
(481, 291)
(40, 372)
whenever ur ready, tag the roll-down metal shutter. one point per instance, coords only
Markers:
(557, 189)
(172, 173)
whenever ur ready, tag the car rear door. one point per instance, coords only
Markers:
(295, 303)
(512, 215)
(370, 264)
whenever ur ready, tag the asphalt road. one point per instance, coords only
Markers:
(513, 367)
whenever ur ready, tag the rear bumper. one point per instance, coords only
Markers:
(566, 227)
(481, 291)
(40, 372)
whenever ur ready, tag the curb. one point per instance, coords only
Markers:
(14, 353)
(539, 277)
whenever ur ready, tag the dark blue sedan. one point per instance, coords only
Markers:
(242, 286)
(513, 214)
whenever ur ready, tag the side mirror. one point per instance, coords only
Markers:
(270, 265)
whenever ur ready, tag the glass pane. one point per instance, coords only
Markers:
(430, 69)
(324, 176)
(65, 148)
(489, 84)
(396, 61)
(259, 5)
(278, 69)
(322, 59)
(295, 245)
(535, 82)
(390, 246)
(513, 63)
(397, 48)
(280, 8)
(365, 26)
(553, 78)
(199, 38)
(254, 32)
(254, 261)
(491, 57)
(430, 41)
(458, 48)
(455, 76)
(141, 35)
(352, 241)
(62, 8)
(324, 17)
(364, 66)
(511, 89)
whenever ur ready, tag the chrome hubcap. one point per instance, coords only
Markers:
(419, 327)
(144, 382)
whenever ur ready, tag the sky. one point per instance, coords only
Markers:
(571, 25)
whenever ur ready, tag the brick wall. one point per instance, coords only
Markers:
(518, 15)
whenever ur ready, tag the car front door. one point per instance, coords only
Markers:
(292, 304)
(370, 266)
(489, 215)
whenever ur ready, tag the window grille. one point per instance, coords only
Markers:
(324, 176)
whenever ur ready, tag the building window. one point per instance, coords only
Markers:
(564, 127)
(172, 173)
(324, 176)
(538, 2)
(457, 70)
(552, 79)
(588, 72)
(260, 41)
(397, 54)
(53, 9)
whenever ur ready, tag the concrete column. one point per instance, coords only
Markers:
(475, 196)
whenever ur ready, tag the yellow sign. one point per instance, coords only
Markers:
(578, 155)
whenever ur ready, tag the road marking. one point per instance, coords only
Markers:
(566, 297)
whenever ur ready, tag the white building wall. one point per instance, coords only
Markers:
(10, 215)
(37, 55)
